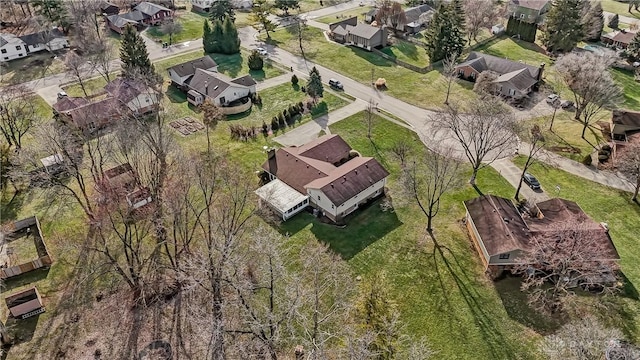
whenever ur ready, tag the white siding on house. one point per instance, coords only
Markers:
(13, 49)
(231, 93)
(176, 78)
(322, 201)
(142, 101)
(57, 44)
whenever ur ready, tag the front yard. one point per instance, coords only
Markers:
(34, 66)
(191, 28)
(424, 90)
(408, 52)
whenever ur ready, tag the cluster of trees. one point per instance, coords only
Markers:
(445, 34)
(287, 117)
(243, 133)
(286, 5)
(255, 61)
(571, 21)
(135, 57)
(221, 38)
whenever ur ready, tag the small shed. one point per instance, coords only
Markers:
(25, 303)
(497, 29)
(52, 164)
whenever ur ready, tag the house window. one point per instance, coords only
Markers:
(318, 197)
(18, 47)
(4, 51)
(521, 16)
(222, 100)
(332, 206)
(504, 256)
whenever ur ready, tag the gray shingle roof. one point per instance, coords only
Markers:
(363, 30)
(189, 67)
(42, 37)
(530, 4)
(150, 9)
(246, 80)
(413, 14)
(520, 79)
(207, 83)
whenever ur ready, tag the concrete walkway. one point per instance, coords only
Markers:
(310, 130)
(274, 81)
(508, 170)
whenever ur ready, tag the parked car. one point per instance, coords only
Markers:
(262, 51)
(336, 84)
(62, 94)
(531, 181)
(551, 99)
(567, 104)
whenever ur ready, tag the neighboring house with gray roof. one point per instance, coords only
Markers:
(143, 14)
(224, 92)
(181, 74)
(325, 174)
(361, 35)
(50, 40)
(515, 79)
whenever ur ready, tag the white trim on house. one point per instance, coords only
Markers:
(282, 198)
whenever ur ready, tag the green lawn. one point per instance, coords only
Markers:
(359, 12)
(408, 52)
(192, 24)
(630, 87)
(34, 66)
(444, 297)
(516, 50)
(424, 90)
(622, 216)
(618, 7)
(566, 138)
(230, 65)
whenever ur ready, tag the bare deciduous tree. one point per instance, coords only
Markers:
(100, 54)
(211, 115)
(171, 28)
(369, 117)
(535, 141)
(428, 178)
(77, 66)
(587, 77)
(485, 132)
(397, 17)
(583, 339)
(18, 114)
(479, 14)
(449, 71)
(629, 164)
(325, 300)
(402, 150)
(566, 256)
(485, 84)
(383, 16)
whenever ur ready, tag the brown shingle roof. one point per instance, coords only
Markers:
(330, 148)
(499, 224)
(67, 103)
(125, 90)
(350, 179)
(293, 170)
(625, 117)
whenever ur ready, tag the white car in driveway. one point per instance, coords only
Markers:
(262, 51)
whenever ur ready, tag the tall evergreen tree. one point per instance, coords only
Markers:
(260, 17)
(134, 55)
(592, 20)
(208, 41)
(563, 26)
(230, 39)
(314, 86)
(633, 50)
(220, 9)
(445, 34)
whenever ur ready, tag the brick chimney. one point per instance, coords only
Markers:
(541, 67)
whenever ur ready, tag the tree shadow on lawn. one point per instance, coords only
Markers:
(25, 279)
(258, 75)
(22, 330)
(500, 346)
(228, 64)
(372, 58)
(410, 50)
(364, 226)
(175, 95)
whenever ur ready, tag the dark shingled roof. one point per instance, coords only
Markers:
(530, 4)
(103, 111)
(363, 30)
(499, 224)
(246, 80)
(520, 79)
(313, 166)
(413, 14)
(42, 37)
(105, 5)
(150, 9)
(482, 62)
(67, 103)
(350, 179)
(353, 21)
(626, 117)
(207, 83)
(502, 229)
(125, 90)
(120, 21)
(189, 67)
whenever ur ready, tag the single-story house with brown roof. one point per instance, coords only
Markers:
(515, 79)
(619, 39)
(500, 233)
(361, 35)
(323, 173)
(623, 124)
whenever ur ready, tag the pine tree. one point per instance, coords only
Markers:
(216, 38)
(314, 86)
(445, 34)
(614, 21)
(208, 41)
(54, 11)
(220, 9)
(230, 40)
(260, 17)
(563, 26)
(134, 55)
(633, 50)
(255, 61)
(592, 21)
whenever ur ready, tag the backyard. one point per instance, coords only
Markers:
(359, 12)
(408, 52)
(358, 64)
(630, 87)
